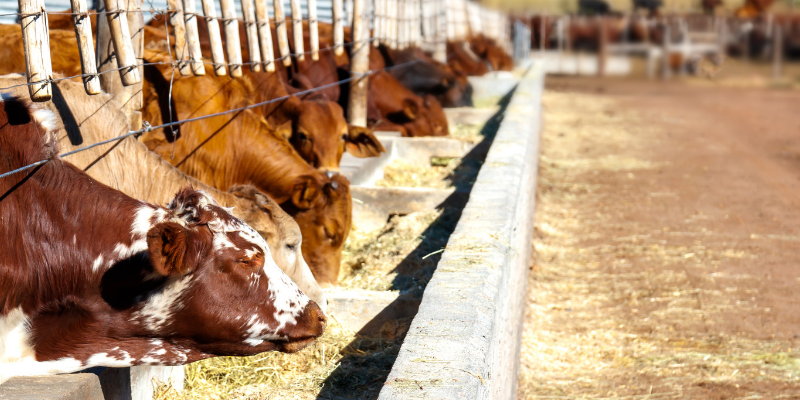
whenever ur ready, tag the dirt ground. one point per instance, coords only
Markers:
(667, 251)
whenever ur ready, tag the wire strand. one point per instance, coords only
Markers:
(147, 127)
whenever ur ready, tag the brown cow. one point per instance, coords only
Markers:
(242, 148)
(315, 126)
(90, 119)
(92, 277)
(388, 99)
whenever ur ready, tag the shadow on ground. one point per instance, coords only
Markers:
(369, 358)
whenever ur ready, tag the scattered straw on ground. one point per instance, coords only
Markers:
(613, 311)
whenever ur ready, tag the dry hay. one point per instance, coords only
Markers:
(326, 363)
(466, 133)
(401, 173)
(370, 258)
(593, 334)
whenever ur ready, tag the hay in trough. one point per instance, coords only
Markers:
(298, 376)
(401, 173)
(369, 258)
(467, 133)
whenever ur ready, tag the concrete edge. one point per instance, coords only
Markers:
(464, 341)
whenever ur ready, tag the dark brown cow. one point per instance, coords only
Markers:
(385, 94)
(423, 75)
(242, 148)
(92, 277)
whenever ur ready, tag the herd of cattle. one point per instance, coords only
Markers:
(93, 273)
(749, 33)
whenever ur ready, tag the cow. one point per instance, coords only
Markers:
(593, 7)
(488, 50)
(423, 75)
(12, 56)
(242, 148)
(464, 61)
(314, 125)
(92, 277)
(91, 119)
(385, 93)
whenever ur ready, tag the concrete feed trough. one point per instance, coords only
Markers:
(464, 341)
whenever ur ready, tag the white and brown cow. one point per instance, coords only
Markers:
(92, 277)
(129, 167)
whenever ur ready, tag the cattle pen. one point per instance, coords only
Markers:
(486, 173)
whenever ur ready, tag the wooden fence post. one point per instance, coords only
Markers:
(217, 58)
(777, 50)
(280, 29)
(313, 29)
(338, 27)
(119, 35)
(179, 30)
(440, 31)
(251, 33)
(264, 35)
(377, 24)
(602, 54)
(233, 47)
(390, 32)
(193, 38)
(665, 53)
(83, 34)
(36, 43)
(297, 30)
(359, 64)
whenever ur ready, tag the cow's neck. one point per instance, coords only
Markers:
(66, 232)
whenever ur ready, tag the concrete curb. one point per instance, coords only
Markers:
(464, 342)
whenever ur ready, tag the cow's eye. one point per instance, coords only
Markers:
(344, 136)
(302, 136)
(291, 247)
(251, 263)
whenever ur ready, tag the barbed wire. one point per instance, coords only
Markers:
(147, 127)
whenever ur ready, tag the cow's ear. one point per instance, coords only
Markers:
(410, 109)
(361, 142)
(304, 193)
(167, 244)
(284, 130)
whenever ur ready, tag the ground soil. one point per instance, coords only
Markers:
(667, 251)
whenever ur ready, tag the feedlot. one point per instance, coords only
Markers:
(666, 244)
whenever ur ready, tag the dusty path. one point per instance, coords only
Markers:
(668, 251)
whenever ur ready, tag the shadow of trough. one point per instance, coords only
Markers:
(368, 360)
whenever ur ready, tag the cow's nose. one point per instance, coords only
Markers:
(317, 313)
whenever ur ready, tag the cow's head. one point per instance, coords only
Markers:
(319, 132)
(221, 293)
(283, 237)
(322, 206)
(430, 118)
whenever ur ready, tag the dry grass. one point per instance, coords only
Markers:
(369, 258)
(594, 334)
(401, 173)
(466, 132)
